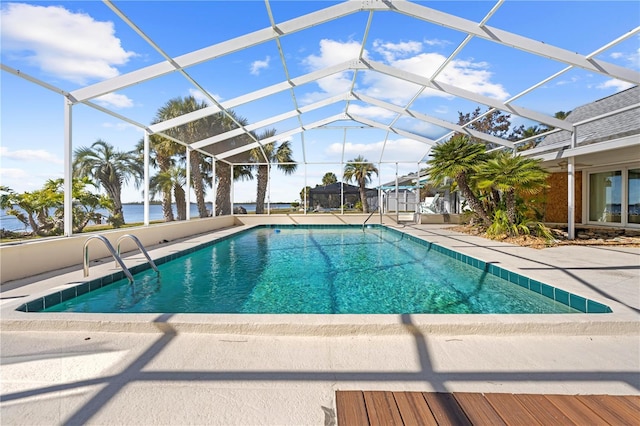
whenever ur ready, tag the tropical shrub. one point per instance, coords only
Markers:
(43, 210)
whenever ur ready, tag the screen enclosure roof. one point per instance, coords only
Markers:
(355, 85)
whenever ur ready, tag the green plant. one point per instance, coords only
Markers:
(501, 226)
(358, 206)
(541, 230)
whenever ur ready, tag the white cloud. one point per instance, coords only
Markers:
(370, 111)
(114, 100)
(632, 58)
(467, 74)
(200, 97)
(12, 174)
(569, 81)
(618, 85)
(121, 126)
(331, 53)
(30, 155)
(394, 150)
(256, 66)
(423, 128)
(71, 46)
(474, 77)
(354, 149)
(21, 180)
(391, 51)
(436, 42)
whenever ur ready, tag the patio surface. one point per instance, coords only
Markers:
(206, 369)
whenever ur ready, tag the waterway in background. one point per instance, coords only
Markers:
(132, 213)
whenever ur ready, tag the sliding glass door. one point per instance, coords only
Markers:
(614, 197)
(633, 200)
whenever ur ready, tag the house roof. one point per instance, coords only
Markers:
(406, 182)
(335, 188)
(609, 127)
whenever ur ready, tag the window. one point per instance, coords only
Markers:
(605, 197)
(614, 197)
(633, 211)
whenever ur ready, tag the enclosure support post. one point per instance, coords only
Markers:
(214, 188)
(305, 189)
(380, 201)
(188, 184)
(146, 178)
(342, 192)
(268, 189)
(417, 197)
(397, 195)
(68, 169)
(231, 192)
(571, 189)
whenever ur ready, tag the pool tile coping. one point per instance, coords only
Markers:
(574, 301)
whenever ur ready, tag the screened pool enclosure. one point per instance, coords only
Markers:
(336, 84)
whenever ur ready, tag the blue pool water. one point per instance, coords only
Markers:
(330, 270)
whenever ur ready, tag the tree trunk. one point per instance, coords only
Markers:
(223, 193)
(181, 203)
(363, 198)
(197, 181)
(164, 163)
(263, 180)
(114, 193)
(510, 201)
(167, 210)
(474, 203)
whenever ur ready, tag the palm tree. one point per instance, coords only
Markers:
(190, 132)
(110, 169)
(329, 178)
(281, 155)
(511, 174)
(220, 123)
(360, 170)
(164, 182)
(162, 152)
(457, 159)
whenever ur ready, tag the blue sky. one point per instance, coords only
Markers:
(74, 44)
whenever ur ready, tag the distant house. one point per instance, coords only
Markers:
(331, 197)
(600, 165)
(404, 195)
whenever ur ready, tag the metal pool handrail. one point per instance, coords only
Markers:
(140, 246)
(371, 214)
(117, 258)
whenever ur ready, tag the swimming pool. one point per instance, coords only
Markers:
(319, 269)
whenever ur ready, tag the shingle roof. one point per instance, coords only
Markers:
(612, 127)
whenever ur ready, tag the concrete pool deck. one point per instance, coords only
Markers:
(217, 369)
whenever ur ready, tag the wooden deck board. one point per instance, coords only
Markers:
(351, 409)
(576, 410)
(433, 408)
(382, 409)
(414, 409)
(510, 409)
(446, 409)
(611, 409)
(543, 411)
(478, 409)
